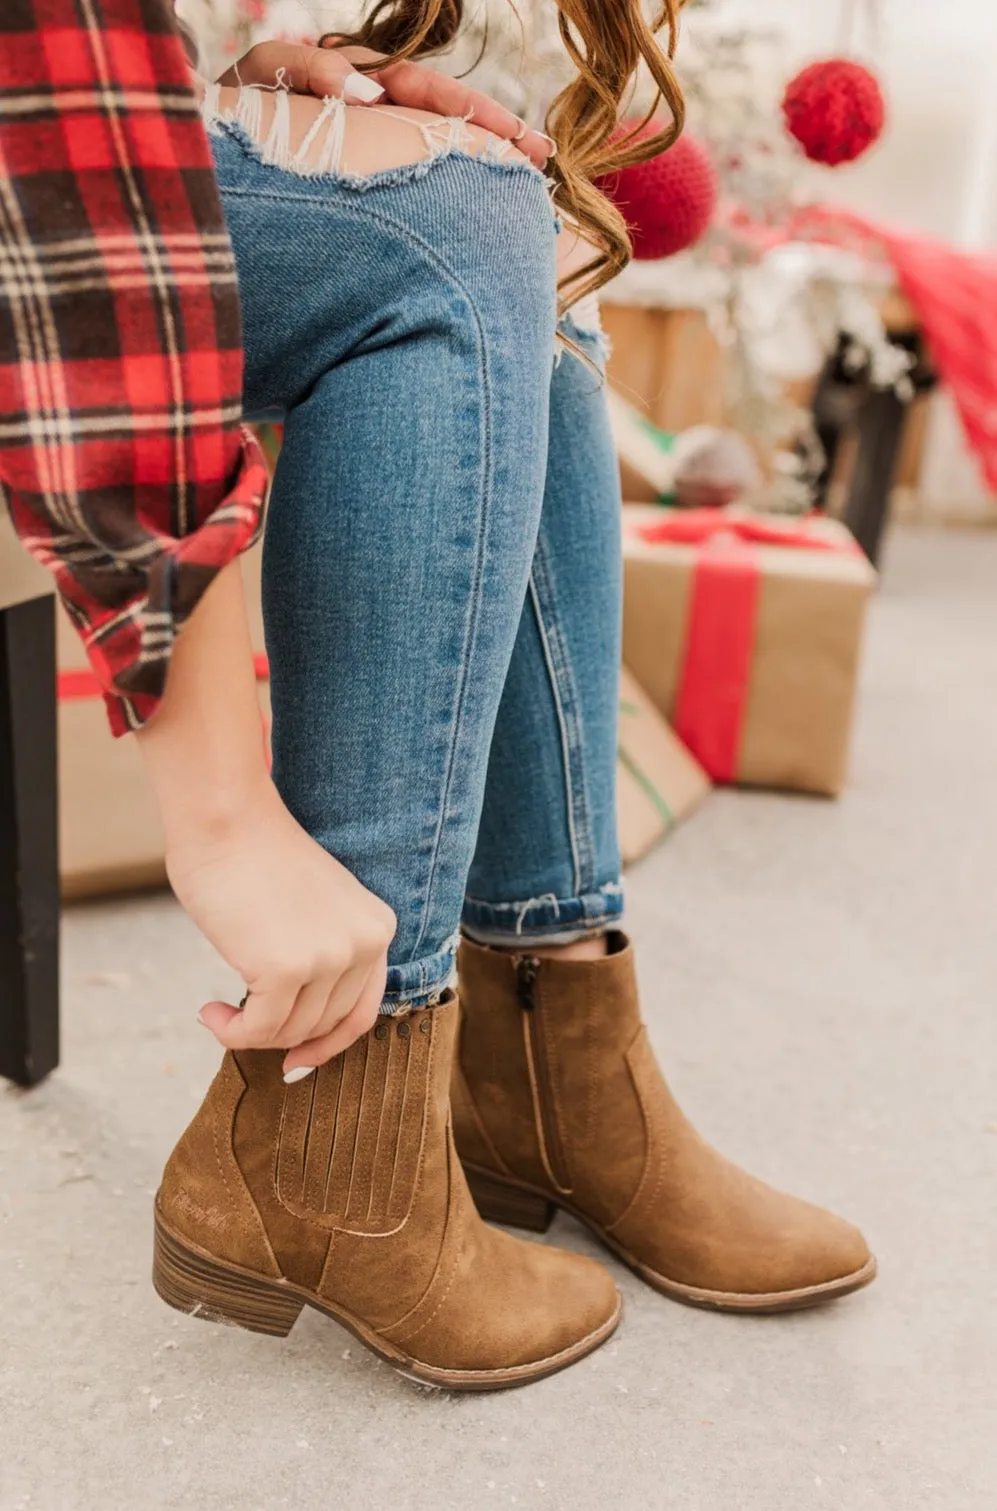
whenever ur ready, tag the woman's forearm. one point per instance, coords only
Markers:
(305, 937)
(204, 748)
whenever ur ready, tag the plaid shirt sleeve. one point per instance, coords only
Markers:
(122, 455)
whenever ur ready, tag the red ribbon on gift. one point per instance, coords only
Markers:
(712, 698)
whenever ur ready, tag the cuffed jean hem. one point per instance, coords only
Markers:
(421, 983)
(538, 920)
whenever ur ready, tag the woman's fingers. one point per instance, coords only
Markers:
(305, 70)
(308, 1015)
(343, 998)
(423, 88)
(324, 67)
(258, 1025)
(358, 1021)
(317, 1022)
(330, 70)
(216, 1016)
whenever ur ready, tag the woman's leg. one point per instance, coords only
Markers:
(557, 1095)
(406, 331)
(547, 868)
(404, 324)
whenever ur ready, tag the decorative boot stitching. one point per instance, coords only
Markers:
(402, 1332)
(350, 1141)
(653, 1157)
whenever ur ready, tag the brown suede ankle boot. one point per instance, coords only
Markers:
(558, 1101)
(344, 1192)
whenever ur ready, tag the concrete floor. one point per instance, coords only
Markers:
(820, 980)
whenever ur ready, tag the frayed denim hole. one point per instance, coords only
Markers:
(444, 139)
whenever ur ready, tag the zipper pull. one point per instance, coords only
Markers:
(527, 967)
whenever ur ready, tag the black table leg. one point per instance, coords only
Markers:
(29, 860)
(834, 405)
(881, 421)
(845, 401)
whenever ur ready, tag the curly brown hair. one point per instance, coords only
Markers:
(606, 40)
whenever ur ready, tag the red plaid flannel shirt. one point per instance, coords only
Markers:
(122, 457)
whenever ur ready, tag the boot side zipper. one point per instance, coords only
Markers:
(551, 1146)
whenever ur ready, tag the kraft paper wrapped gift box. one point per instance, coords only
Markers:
(658, 783)
(745, 630)
(110, 837)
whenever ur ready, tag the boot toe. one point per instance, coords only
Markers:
(829, 1248)
(757, 1249)
(553, 1305)
(801, 1254)
(577, 1303)
(519, 1310)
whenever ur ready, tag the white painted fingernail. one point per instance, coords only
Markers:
(357, 86)
(297, 1074)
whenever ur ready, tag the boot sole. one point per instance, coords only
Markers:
(190, 1279)
(521, 1206)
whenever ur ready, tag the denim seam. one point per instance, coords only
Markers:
(289, 194)
(472, 623)
(576, 881)
(566, 703)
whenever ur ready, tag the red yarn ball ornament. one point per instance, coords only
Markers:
(835, 110)
(668, 201)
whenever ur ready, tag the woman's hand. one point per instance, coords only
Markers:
(306, 937)
(325, 71)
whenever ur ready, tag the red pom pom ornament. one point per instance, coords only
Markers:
(667, 202)
(835, 110)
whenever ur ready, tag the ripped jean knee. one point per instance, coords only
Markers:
(321, 153)
(323, 149)
(461, 198)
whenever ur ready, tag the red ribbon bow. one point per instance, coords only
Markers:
(695, 527)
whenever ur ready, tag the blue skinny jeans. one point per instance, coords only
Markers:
(441, 571)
